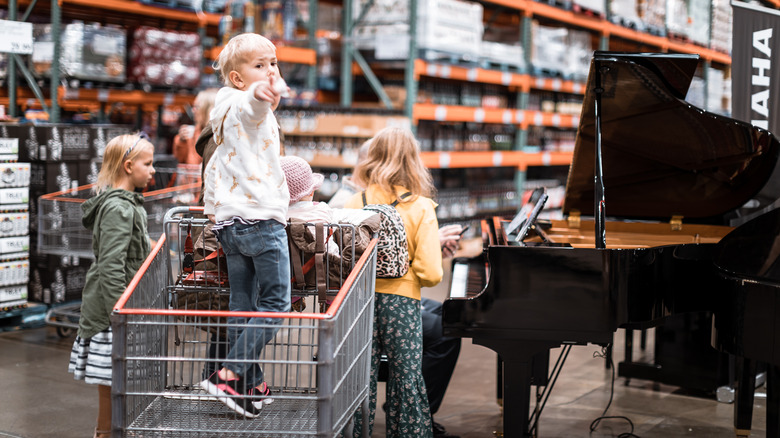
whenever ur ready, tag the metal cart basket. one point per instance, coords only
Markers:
(60, 231)
(317, 365)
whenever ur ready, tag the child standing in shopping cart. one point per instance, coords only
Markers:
(246, 196)
(121, 243)
(391, 169)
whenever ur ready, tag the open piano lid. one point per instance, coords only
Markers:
(662, 156)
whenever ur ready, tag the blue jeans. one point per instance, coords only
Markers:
(259, 272)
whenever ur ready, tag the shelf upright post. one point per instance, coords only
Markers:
(311, 77)
(347, 42)
(526, 24)
(410, 77)
(12, 67)
(706, 75)
(56, 21)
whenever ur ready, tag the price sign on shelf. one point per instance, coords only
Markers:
(16, 37)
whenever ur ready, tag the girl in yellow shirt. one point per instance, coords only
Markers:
(392, 168)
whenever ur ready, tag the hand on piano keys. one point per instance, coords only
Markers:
(449, 238)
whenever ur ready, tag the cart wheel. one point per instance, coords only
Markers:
(64, 332)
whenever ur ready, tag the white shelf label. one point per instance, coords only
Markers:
(546, 159)
(16, 37)
(556, 84)
(479, 115)
(444, 160)
(520, 116)
(540, 82)
(506, 117)
(556, 120)
(430, 70)
(102, 95)
(497, 158)
(445, 71)
(575, 121)
(576, 88)
(472, 74)
(168, 99)
(538, 118)
(506, 78)
(440, 114)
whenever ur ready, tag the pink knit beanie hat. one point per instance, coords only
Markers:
(300, 179)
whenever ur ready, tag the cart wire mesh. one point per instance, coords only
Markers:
(60, 231)
(317, 365)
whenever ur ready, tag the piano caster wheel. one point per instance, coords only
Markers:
(741, 433)
(725, 394)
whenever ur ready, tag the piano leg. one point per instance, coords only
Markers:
(773, 401)
(743, 403)
(517, 358)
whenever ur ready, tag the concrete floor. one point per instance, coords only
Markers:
(41, 400)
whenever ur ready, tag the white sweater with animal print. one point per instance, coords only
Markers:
(244, 178)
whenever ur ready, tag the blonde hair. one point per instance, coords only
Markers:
(203, 104)
(394, 160)
(118, 150)
(237, 52)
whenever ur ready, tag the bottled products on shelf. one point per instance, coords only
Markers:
(165, 58)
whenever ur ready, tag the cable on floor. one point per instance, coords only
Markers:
(595, 424)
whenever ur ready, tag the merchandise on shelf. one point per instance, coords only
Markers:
(274, 19)
(92, 52)
(677, 18)
(721, 28)
(165, 58)
(56, 279)
(451, 26)
(594, 6)
(558, 51)
(699, 21)
(626, 13)
(718, 92)
(653, 15)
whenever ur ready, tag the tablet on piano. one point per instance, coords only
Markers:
(527, 215)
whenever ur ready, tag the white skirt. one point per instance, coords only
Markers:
(90, 359)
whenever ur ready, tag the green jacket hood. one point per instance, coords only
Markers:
(91, 206)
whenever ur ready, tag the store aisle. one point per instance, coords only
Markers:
(41, 400)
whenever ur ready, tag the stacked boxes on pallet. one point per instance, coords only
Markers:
(720, 35)
(452, 27)
(14, 226)
(60, 157)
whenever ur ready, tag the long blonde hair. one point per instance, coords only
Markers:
(394, 160)
(118, 150)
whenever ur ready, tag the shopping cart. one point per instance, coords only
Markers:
(317, 365)
(60, 231)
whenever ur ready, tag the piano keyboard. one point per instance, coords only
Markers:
(460, 276)
(469, 277)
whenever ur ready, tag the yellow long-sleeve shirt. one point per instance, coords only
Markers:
(422, 234)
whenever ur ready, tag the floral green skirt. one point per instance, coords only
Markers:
(398, 334)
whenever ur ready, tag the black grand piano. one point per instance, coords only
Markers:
(668, 176)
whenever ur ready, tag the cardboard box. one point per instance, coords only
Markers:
(14, 195)
(54, 177)
(14, 272)
(13, 293)
(14, 224)
(14, 174)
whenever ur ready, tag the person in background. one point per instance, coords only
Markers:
(184, 143)
(246, 196)
(392, 168)
(440, 353)
(121, 243)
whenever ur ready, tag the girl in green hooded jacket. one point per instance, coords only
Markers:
(120, 242)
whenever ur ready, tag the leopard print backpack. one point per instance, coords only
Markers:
(392, 257)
